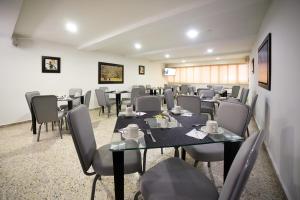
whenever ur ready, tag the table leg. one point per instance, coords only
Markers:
(70, 104)
(82, 99)
(118, 161)
(33, 121)
(176, 153)
(118, 100)
(151, 91)
(183, 153)
(230, 151)
(155, 92)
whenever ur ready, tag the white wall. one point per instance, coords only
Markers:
(21, 72)
(278, 109)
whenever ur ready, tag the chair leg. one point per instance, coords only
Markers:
(59, 128)
(196, 163)
(52, 125)
(38, 137)
(94, 186)
(161, 151)
(67, 127)
(208, 164)
(46, 127)
(144, 160)
(31, 128)
(247, 132)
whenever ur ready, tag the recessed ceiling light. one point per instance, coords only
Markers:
(209, 50)
(137, 46)
(183, 61)
(218, 58)
(192, 33)
(71, 27)
(167, 55)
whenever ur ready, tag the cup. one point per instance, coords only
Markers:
(132, 130)
(129, 110)
(177, 109)
(212, 126)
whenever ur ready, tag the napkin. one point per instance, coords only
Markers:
(187, 114)
(196, 134)
(140, 113)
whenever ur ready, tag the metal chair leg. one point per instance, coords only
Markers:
(247, 132)
(46, 127)
(52, 125)
(208, 164)
(59, 128)
(144, 160)
(38, 137)
(94, 186)
(161, 151)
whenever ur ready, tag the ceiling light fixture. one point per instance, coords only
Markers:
(218, 58)
(167, 56)
(137, 46)
(183, 61)
(192, 33)
(71, 27)
(209, 50)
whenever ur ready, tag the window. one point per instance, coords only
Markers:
(214, 74)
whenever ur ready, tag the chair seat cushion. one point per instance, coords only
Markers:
(174, 179)
(206, 152)
(103, 162)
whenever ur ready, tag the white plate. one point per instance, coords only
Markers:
(127, 137)
(220, 130)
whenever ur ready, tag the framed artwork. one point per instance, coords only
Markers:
(141, 70)
(252, 65)
(264, 63)
(109, 73)
(50, 64)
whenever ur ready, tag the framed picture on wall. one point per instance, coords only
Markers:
(141, 70)
(109, 73)
(50, 64)
(264, 63)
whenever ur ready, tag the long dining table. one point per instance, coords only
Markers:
(61, 99)
(174, 136)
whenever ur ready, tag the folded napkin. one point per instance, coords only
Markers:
(196, 134)
(187, 114)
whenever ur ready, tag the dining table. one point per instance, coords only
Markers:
(118, 99)
(68, 99)
(172, 135)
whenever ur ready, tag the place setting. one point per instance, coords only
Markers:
(130, 113)
(201, 131)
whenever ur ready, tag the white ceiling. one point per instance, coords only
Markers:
(113, 26)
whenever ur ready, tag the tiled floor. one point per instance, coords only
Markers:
(50, 169)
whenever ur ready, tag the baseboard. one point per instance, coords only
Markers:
(287, 195)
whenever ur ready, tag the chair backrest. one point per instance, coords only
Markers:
(217, 88)
(190, 103)
(135, 92)
(103, 88)
(245, 96)
(101, 97)
(87, 98)
(235, 91)
(242, 94)
(206, 93)
(191, 90)
(234, 117)
(253, 103)
(148, 103)
(169, 97)
(142, 90)
(83, 135)
(75, 92)
(29, 95)
(45, 108)
(184, 89)
(241, 167)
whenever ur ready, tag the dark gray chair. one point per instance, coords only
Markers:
(135, 92)
(73, 92)
(87, 98)
(28, 96)
(148, 103)
(207, 107)
(45, 110)
(252, 107)
(231, 116)
(245, 96)
(175, 179)
(168, 94)
(99, 159)
(184, 89)
(235, 91)
(103, 101)
(190, 103)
